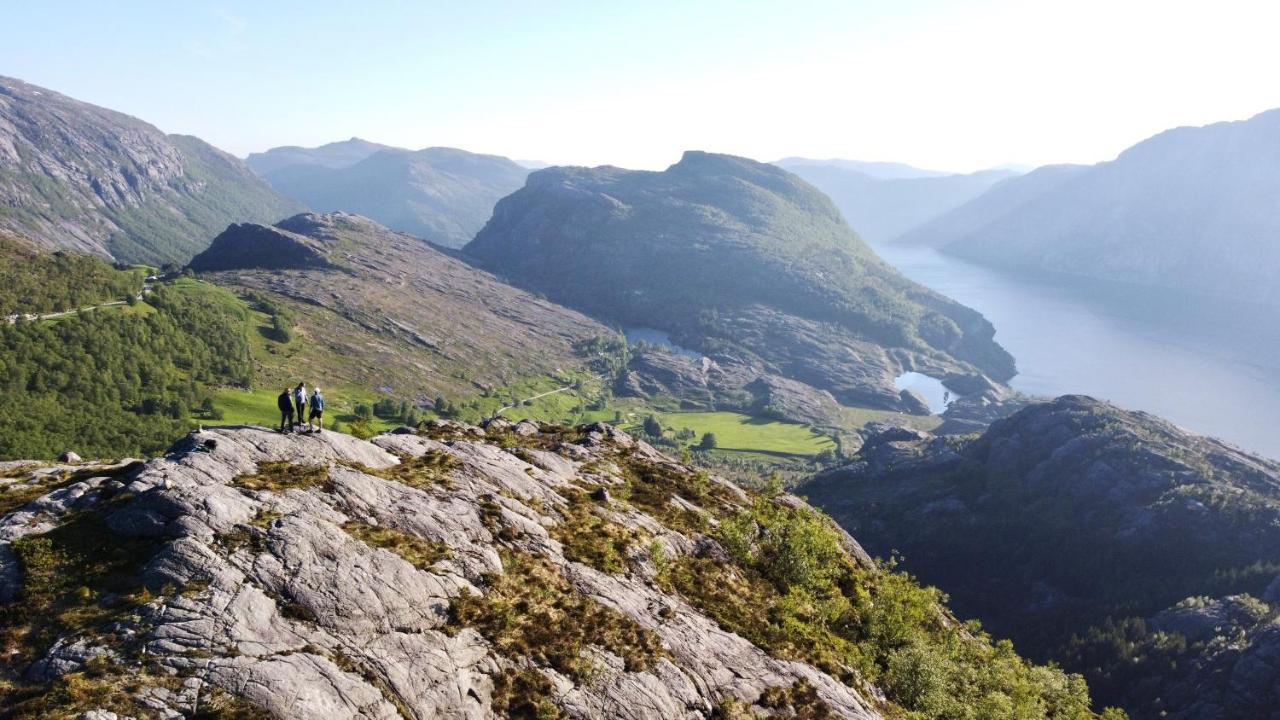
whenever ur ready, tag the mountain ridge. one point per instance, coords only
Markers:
(80, 177)
(439, 194)
(1187, 210)
(723, 252)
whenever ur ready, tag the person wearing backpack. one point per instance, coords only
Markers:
(300, 401)
(317, 411)
(285, 403)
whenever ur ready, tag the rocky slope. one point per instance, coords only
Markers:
(381, 309)
(1190, 210)
(439, 194)
(1076, 518)
(79, 177)
(516, 571)
(881, 209)
(741, 261)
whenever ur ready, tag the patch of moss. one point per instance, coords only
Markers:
(491, 516)
(251, 535)
(651, 486)
(419, 552)
(800, 701)
(525, 695)
(103, 685)
(77, 579)
(430, 469)
(285, 475)
(531, 611)
(591, 539)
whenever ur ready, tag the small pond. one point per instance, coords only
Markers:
(932, 390)
(659, 338)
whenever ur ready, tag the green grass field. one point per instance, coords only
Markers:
(736, 432)
(258, 407)
(855, 417)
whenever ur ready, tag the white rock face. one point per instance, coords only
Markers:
(264, 594)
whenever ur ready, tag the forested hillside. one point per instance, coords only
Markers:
(34, 281)
(119, 381)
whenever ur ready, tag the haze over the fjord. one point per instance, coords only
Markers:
(943, 85)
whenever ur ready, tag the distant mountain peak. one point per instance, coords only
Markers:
(440, 194)
(871, 168)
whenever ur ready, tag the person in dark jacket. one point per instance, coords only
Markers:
(285, 403)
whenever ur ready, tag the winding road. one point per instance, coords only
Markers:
(13, 319)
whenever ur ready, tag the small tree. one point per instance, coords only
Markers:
(652, 427)
(708, 442)
(280, 330)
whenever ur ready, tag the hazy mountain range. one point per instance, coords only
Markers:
(874, 169)
(883, 200)
(1192, 210)
(439, 194)
(77, 176)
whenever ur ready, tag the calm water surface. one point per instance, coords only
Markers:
(1210, 368)
(659, 338)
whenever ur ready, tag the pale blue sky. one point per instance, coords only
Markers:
(948, 85)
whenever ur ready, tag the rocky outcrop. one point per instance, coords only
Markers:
(791, 400)
(290, 572)
(249, 246)
(75, 176)
(1071, 518)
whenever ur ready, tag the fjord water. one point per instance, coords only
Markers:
(1207, 366)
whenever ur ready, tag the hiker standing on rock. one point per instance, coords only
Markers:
(317, 411)
(300, 401)
(285, 403)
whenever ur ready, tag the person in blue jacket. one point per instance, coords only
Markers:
(317, 411)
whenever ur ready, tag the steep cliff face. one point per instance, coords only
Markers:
(520, 571)
(738, 259)
(79, 177)
(1075, 518)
